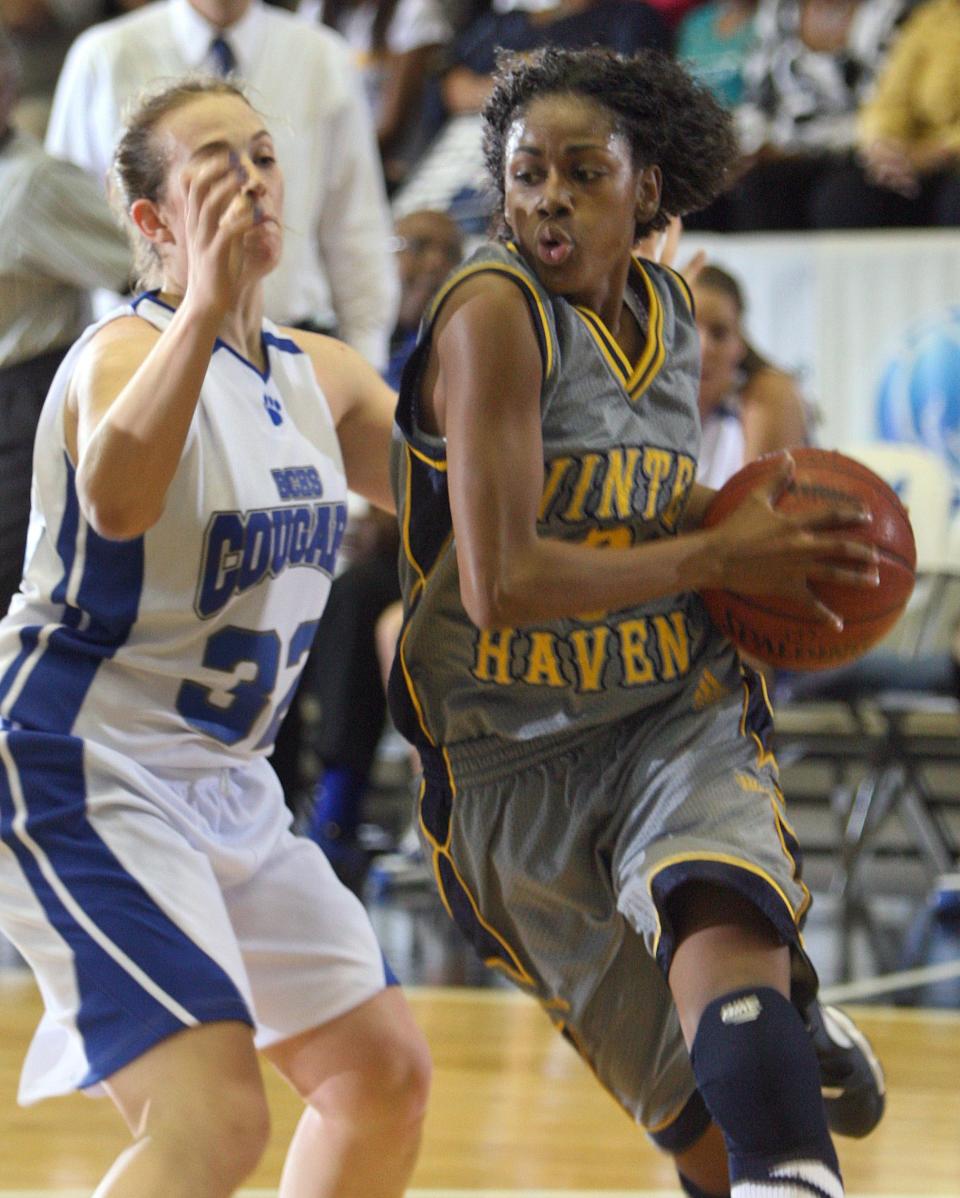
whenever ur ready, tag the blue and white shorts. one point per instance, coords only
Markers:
(149, 902)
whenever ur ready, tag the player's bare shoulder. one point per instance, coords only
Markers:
(118, 345)
(107, 362)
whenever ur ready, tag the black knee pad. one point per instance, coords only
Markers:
(686, 1129)
(757, 1071)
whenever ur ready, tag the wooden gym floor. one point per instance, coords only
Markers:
(513, 1111)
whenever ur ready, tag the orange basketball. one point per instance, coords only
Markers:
(775, 629)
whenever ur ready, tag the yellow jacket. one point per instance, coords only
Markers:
(917, 97)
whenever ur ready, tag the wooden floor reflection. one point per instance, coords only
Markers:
(514, 1109)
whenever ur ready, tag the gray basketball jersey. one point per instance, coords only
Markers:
(621, 442)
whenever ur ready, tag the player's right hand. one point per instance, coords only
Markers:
(220, 207)
(764, 551)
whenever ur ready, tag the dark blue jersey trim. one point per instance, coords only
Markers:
(284, 344)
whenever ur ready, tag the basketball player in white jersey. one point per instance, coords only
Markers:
(190, 491)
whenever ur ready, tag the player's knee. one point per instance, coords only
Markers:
(385, 1087)
(224, 1140)
(246, 1128)
(756, 1069)
(396, 1089)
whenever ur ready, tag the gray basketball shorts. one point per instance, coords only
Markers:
(558, 864)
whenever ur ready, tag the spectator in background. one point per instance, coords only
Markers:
(428, 246)
(41, 32)
(344, 677)
(336, 274)
(673, 12)
(747, 406)
(713, 41)
(813, 63)
(909, 130)
(395, 44)
(344, 674)
(59, 238)
(452, 176)
(524, 25)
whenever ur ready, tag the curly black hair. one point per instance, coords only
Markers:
(669, 120)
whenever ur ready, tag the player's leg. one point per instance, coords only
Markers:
(523, 887)
(852, 1086)
(123, 923)
(197, 1111)
(365, 1078)
(703, 1168)
(330, 1018)
(707, 870)
(752, 1056)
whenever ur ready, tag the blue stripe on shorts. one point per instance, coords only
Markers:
(103, 913)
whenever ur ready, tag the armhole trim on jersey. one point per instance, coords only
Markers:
(541, 322)
(684, 288)
(433, 463)
(285, 345)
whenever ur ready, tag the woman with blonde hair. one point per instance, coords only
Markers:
(190, 488)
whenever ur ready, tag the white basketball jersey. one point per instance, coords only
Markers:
(182, 647)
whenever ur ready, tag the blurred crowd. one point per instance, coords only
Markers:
(848, 111)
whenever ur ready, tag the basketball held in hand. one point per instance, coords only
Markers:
(776, 629)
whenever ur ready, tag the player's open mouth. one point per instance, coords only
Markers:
(553, 247)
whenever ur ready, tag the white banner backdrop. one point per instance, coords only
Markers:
(847, 312)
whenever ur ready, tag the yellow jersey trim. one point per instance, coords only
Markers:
(435, 463)
(513, 272)
(635, 377)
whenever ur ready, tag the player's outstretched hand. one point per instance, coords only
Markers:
(763, 551)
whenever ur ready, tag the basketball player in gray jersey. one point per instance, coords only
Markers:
(599, 801)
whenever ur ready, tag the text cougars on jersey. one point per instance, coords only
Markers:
(242, 548)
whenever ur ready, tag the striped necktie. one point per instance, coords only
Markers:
(223, 57)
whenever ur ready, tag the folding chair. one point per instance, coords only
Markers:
(888, 716)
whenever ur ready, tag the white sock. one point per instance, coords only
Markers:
(792, 1179)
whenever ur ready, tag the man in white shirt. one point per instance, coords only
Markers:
(59, 239)
(337, 272)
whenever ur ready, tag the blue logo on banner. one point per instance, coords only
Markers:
(918, 400)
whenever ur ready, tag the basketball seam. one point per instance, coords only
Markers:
(804, 617)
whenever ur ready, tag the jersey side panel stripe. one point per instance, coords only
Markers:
(67, 534)
(107, 600)
(428, 497)
(12, 682)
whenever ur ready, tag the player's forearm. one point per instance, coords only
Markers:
(127, 465)
(552, 579)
